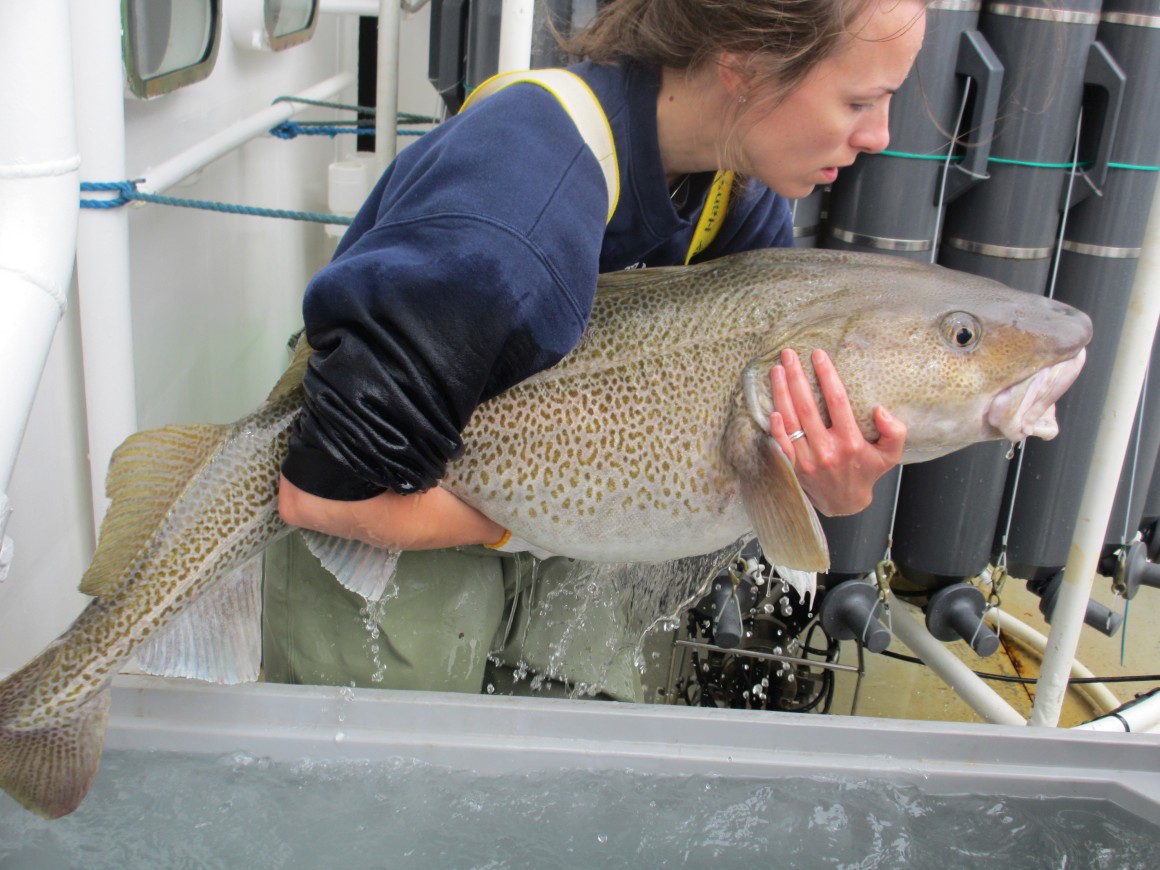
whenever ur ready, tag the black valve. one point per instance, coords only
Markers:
(956, 612)
(852, 610)
(1102, 619)
(730, 598)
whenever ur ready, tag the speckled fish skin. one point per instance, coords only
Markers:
(626, 450)
(617, 452)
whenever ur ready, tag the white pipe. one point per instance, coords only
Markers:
(368, 8)
(175, 169)
(38, 206)
(515, 35)
(365, 8)
(6, 545)
(1099, 694)
(387, 84)
(103, 241)
(1142, 715)
(970, 687)
(1132, 355)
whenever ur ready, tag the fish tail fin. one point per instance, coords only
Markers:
(50, 769)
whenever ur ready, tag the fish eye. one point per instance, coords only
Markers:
(961, 330)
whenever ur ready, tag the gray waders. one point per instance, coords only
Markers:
(463, 620)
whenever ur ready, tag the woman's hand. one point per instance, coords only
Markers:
(422, 521)
(837, 466)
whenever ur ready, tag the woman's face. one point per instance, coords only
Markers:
(839, 110)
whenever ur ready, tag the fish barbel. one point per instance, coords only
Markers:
(648, 442)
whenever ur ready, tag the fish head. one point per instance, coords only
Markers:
(957, 357)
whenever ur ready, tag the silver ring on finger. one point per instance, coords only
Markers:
(800, 433)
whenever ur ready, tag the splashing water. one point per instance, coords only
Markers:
(371, 613)
(170, 810)
(601, 612)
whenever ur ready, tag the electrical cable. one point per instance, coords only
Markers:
(1007, 678)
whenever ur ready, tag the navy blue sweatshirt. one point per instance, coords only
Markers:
(473, 265)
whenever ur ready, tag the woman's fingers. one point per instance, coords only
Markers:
(891, 435)
(835, 463)
(783, 422)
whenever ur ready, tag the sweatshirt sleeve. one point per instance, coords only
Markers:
(457, 292)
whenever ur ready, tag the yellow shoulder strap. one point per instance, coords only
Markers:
(587, 114)
(582, 107)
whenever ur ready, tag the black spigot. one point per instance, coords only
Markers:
(956, 612)
(851, 610)
(1102, 619)
(729, 599)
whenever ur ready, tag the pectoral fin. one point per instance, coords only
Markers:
(361, 568)
(783, 519)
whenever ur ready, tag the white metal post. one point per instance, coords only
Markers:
(1132, 355)
(515, 38)
(38, 208)
(387, 85)
(103, 241)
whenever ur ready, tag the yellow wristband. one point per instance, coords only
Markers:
(507, 535)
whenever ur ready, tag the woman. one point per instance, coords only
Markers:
(473, 265)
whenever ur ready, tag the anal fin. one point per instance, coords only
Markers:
(217, 638)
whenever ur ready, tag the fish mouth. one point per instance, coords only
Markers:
(1028, 408)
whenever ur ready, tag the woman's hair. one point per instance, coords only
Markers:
(782, 40)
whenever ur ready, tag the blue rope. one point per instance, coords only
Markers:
(129, 193)
(291, 129)
(125, 187)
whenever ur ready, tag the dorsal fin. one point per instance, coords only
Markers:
(146, 474)
(292, 378)
(635, 279)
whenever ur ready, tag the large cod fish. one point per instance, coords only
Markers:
(649, 442)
